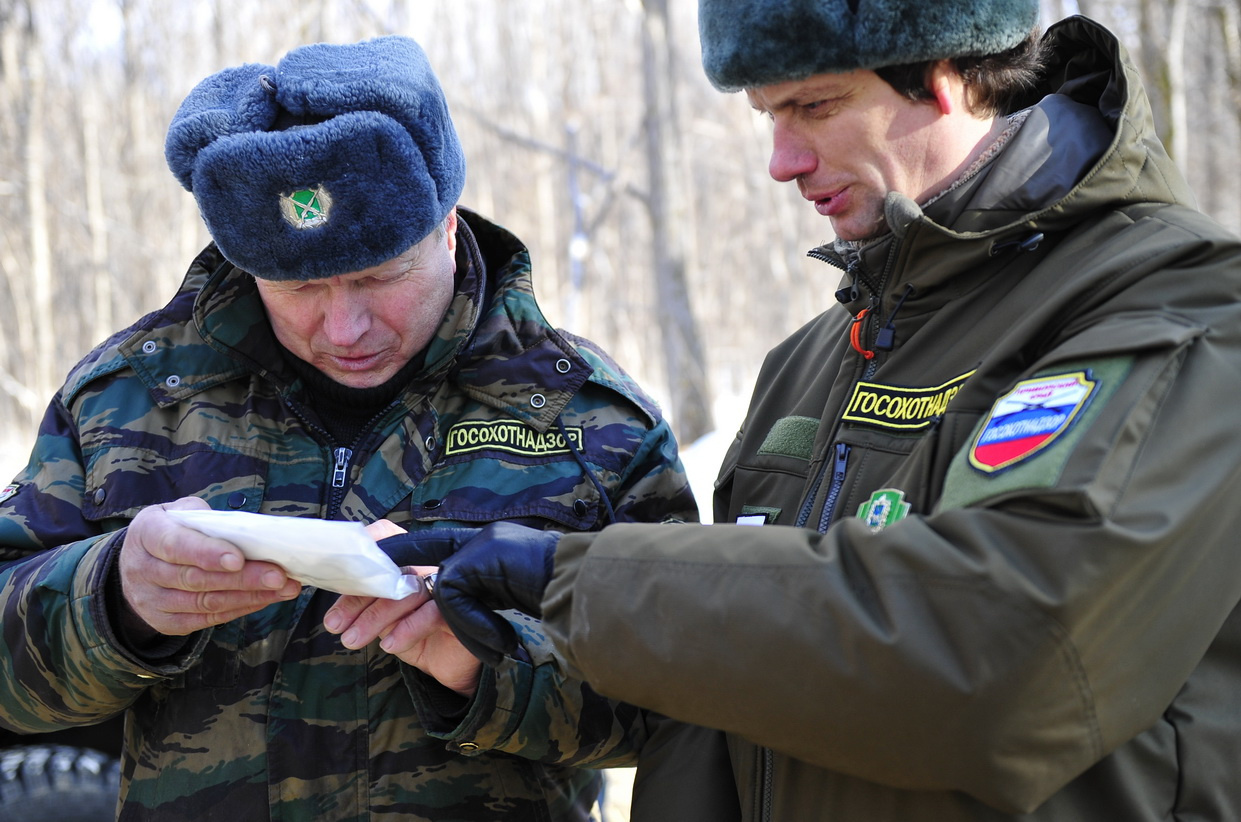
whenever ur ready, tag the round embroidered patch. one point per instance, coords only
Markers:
(306, 208)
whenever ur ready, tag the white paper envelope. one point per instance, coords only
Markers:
(337, 556)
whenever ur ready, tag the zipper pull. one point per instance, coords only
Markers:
(341, 469)
(851, 292)
(842, 462)
(840, 467)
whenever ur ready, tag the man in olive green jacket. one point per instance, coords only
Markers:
(997, 575)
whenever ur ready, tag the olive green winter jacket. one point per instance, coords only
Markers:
(1047, 377)
(269, 716)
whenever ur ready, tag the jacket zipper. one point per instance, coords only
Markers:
(872, 365)
(766, 778)
(340, 473)
(839, 466)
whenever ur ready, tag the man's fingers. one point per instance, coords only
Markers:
(378, 620)
(361, 620)
(253, 576)
(381, 529)
(348, 608)
(182, 624)
(175, 601)
(178, 544)
(413, 630)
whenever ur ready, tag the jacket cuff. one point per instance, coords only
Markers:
(462, 722)
(124, 630)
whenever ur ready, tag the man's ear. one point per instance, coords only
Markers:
(945, 86)
(450, 229)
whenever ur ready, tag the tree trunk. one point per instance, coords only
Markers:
(43, 354)
(1178, 109)
(690, 411)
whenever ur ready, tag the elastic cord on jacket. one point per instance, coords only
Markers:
(886, 339)
(855, 335)
(609, 513)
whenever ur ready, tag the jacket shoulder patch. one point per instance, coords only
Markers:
(1030, 418)
(1031, 450)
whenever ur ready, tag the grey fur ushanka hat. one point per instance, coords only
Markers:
(752, 43)
(335, 160)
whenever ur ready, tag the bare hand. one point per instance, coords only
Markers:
(411, 629)
(179, 580)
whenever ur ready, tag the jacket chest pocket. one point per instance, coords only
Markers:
(541, 492)
(785, 489)
(763, 479)
(122, 480)
(764, 492)
(914, 464)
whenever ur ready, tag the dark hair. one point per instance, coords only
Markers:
(994, 83)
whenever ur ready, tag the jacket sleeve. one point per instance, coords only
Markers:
(66, 666)
(998, 645)
(531, 707)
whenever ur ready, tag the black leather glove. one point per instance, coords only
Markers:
(427, 547)
(503, 566)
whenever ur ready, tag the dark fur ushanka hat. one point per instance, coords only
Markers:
(752, 43)
(336, 160)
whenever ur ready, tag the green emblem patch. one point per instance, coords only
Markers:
(884, 507)
(307, 208)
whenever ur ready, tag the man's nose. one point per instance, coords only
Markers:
(346, 318)
(791, 157)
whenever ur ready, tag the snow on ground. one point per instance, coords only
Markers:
(13, 456)
(702, 460)
(703, 456)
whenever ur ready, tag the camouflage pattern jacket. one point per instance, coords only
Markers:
(509, 418)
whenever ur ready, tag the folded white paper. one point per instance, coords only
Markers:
(337, 556)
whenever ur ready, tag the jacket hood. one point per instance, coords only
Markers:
(1088, 143)
(1087, 146)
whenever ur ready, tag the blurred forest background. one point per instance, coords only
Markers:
(590, 131)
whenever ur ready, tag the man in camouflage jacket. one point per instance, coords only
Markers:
(498, 416)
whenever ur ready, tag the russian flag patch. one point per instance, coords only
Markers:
(1029, 418)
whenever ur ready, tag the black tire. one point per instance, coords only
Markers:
(57, 783)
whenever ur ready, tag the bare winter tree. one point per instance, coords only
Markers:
(589, 129)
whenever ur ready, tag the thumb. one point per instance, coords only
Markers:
(482, 631)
